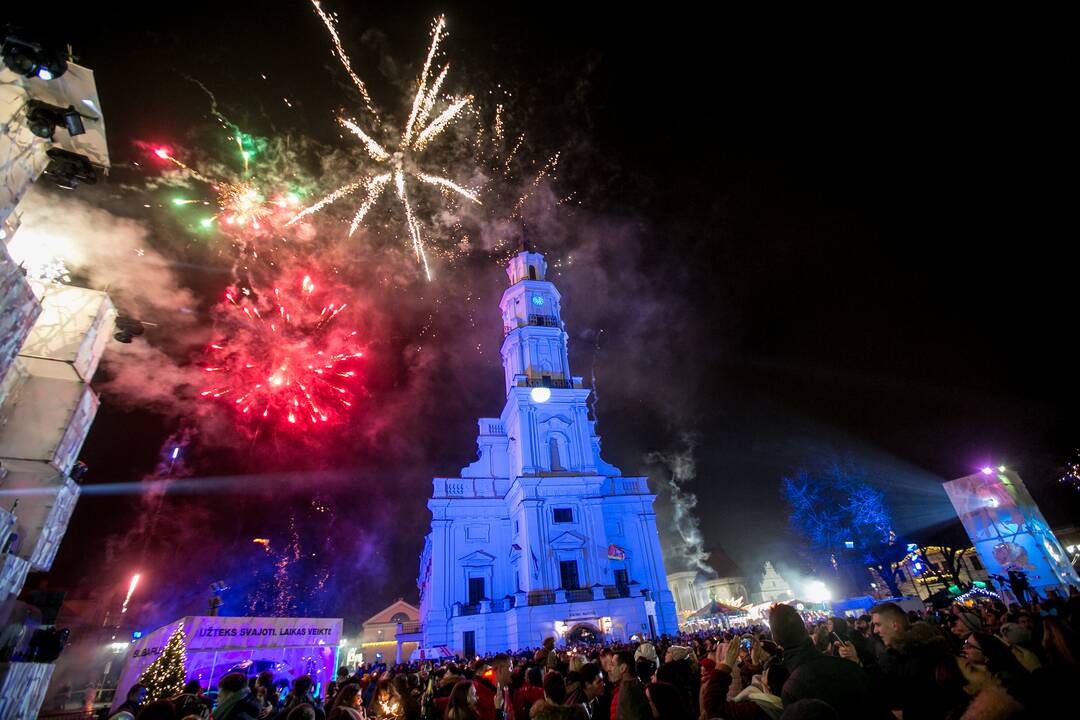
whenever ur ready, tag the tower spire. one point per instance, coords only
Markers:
(524, 244)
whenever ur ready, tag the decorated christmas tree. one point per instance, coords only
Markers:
(164, 678)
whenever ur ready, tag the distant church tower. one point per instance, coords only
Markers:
(773, 587)
(540, 536)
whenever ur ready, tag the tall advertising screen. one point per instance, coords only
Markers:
(1007, 529)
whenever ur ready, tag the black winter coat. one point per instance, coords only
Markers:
(839, 682)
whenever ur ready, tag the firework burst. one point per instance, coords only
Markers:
(403, 166)
(246, 209)
(283, 358)
(1071, 476)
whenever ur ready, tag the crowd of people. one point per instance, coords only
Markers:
(981, 662)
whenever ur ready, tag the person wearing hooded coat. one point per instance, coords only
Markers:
(839, 682)
(235, 700)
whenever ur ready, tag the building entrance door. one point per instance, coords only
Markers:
(476, 590)
(468, 644)
(583, 633)
(622, 582)
(568, 575)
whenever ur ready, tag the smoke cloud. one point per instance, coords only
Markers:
(681, 468)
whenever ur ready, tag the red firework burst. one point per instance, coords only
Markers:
(282, 357)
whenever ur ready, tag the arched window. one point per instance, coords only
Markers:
(553, 447)
(532, 273)
(399, 618)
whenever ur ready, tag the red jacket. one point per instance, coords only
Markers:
(485, 700)
(525, 697)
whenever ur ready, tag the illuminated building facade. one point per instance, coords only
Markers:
(540, 536)
(387, 636)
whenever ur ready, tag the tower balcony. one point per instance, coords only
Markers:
(544, 321)
(533, 598)
(574, 383)
(409, 632)
(534, 321)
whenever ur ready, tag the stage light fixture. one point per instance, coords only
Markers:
(78, 471)
(32, 59)
(43, 118)
(127, 329)
(69, 170)
(987, 471)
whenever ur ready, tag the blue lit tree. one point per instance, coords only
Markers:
(845, 522)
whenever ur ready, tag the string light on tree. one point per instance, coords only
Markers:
(164, 678)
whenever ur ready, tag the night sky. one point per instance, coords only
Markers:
(800, 243)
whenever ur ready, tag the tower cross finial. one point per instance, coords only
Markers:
(525, 245)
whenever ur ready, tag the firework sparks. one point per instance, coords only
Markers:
(343, 57)
(130, 592)
(1071, 476)
(166, 154)
(247, 211)
(547, 169)
(375, 186)
(416, 136)
(242, 204)
(284, 359)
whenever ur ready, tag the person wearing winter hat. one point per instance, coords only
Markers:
(677, 652)
(645, 662)
(647, 651)
(964, 623)
(1017, 638)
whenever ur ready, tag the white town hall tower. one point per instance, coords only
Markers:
(540, 536)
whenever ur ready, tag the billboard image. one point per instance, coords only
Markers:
(1007, 529)
(287, 647)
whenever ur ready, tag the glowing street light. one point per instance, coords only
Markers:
(816, 592)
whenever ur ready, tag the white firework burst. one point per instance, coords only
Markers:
(402, 166)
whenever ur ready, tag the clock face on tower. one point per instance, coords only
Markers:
(537, 300)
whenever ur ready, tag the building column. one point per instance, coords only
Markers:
(532, 516)
(584, 443)
(666, 618)
(530, 441)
